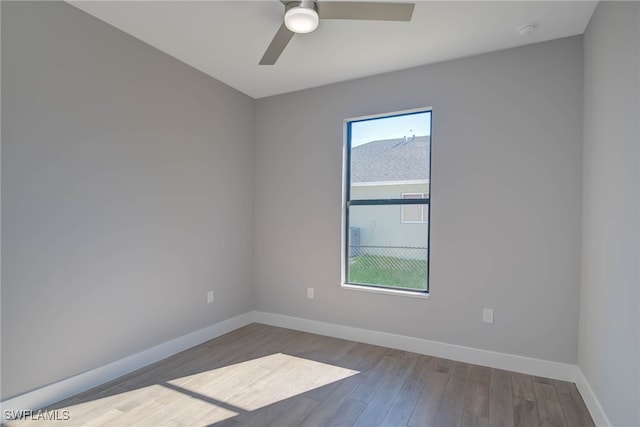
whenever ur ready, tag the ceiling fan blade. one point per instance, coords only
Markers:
(279, 42)
(371, 11)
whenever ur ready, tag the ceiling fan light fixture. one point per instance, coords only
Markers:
(302, 16)
(301, 19)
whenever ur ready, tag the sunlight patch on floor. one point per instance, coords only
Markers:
(153, 405)
(263, 381)
(204, 398)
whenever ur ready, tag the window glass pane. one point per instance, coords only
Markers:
(388, 154)
(385, 252)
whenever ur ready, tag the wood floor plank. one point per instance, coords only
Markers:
(476, 394)
(105, 418)
(450, 411)
(363, 357)
(525, 413)
(470, 420)
(444, 365)
(460, 370)
(405, 403)
(290, 413)
(575, 411)
(125, 402)
(542, 380)
(346, 414)
(481, 374)
(340, 354)
(501, 400)
(141, 414)
(522, 386)
(562, 386)
(381, 401)
(549, 408)
(426, 410)
(326, 411)
(372, 381)
(189, 412)
(218, 416)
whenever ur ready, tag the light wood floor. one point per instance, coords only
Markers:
(265, 376)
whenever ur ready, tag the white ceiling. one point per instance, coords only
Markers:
(226, 39)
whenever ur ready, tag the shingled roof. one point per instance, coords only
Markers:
(391, 160)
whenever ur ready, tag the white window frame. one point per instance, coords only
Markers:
(423, 294)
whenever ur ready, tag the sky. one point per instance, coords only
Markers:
(390, 127)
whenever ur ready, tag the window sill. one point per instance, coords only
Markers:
(396, 292)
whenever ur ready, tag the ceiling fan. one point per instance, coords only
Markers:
(303, 17)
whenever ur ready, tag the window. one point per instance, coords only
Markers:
(386, 178)
(414, 213)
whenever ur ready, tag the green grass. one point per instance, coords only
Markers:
(388, 271)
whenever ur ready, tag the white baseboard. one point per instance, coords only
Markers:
(526, 365)
(593, 404)
(71, 386)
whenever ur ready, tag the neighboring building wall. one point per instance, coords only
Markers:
(127, 193)
(609, 348)
(381, 226)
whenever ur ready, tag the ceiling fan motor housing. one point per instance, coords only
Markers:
(305, 4)
(301, 16)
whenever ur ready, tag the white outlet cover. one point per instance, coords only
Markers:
(310, 293)
(487, 315)
(209, 297)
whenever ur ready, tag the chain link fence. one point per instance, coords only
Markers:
(395, 266)
(399, 252)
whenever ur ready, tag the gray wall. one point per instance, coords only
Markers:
(506, 192)
(609, 349)
(127, 192)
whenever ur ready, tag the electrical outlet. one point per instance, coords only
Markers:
(310, 293)
(209, 297)
(487, 315)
